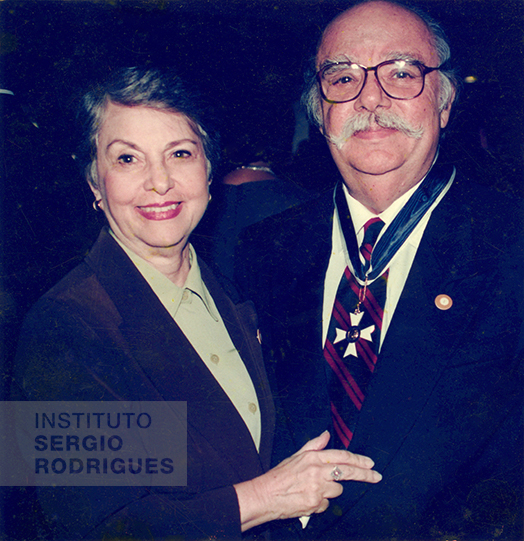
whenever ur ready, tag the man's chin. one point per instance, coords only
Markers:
(375, 162)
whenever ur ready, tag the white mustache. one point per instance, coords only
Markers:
(364, 122)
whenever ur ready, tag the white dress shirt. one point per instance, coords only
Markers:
(399, 265)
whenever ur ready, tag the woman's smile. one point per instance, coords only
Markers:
(163, 211)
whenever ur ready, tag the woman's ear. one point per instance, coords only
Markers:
(98, 202)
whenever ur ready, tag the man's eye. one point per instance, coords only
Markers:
(346, 79)
(339, 77)
(181, 154)
(404, 75)
(126, 158)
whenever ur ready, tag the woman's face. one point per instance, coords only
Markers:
(152, 178)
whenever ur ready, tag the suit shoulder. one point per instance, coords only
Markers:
(75, 310)
(284, 227)
(78, 293)
(298, 229)
(283, 243)
(481, 197)
(214, 278)
(495, 216)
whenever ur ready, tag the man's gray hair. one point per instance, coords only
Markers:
(312, 100)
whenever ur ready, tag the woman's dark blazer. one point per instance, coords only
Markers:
(102, 334)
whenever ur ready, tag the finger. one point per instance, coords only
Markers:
(353, 473)
(333, 456)
(323, 506)
(332, 489)
(316, 444)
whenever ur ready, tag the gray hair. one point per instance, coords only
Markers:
(133, 87)
(312, 100)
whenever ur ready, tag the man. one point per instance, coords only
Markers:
(390, 309)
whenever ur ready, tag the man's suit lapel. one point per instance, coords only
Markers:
(409, 366)
(444, 264)
(299, 285)
(307, 266)
(171, 368)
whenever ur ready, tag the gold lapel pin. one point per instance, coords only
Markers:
(443, 302)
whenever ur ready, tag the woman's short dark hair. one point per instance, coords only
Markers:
(158, 89)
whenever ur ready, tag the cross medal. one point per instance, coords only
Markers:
(355, 332)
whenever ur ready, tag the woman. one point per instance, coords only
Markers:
(143, 319)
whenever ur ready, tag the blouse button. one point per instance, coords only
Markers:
(252, 407)
(215, 358)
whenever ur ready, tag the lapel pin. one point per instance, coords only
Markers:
(443, 302)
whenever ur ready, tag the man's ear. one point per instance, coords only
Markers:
(321, 125)
(445, 113)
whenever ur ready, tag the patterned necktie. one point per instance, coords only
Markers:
(353, 339)
(372, 229)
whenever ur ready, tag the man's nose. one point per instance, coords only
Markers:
(372, 96)
(159, 178)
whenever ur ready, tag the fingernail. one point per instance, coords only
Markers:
(377, 476)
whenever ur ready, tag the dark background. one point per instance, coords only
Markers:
(247, 57)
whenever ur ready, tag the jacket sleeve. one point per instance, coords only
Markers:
(62, 356)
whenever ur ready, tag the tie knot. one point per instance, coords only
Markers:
(372, 229)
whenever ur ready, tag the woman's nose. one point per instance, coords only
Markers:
(159, 178)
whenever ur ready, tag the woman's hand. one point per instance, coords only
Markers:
(302, 484)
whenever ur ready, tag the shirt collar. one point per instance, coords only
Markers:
(361, 214)
(169, 293)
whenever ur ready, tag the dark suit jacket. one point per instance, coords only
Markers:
(442, 415)
(102, 334)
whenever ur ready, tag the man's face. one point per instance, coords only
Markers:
(378, 158)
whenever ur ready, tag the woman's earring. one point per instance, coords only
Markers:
(210, 197)
(96, 204)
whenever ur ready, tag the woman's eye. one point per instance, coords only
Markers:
(181, 154)
(126, 158)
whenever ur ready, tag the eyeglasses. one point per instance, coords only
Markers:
(340, 82)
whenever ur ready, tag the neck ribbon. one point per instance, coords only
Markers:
(400, 228)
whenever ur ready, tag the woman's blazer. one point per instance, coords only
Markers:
(102, 334)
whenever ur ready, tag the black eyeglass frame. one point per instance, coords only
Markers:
(423, 68)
